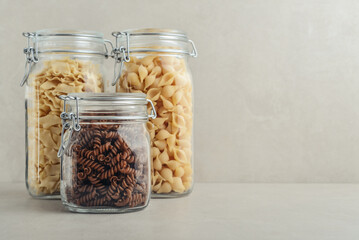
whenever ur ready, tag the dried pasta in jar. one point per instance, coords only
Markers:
(55, 73)
(163, 74)
(106, 161)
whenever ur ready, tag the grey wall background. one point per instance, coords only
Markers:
(276, 82)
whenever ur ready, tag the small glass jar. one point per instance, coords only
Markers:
(155, 62)
(57, 62)
(105, 152)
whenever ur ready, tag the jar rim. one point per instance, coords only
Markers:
(165, 32)
(66, 41)
(155, 40)
(134, 98)
(112, 106)
(68, 33)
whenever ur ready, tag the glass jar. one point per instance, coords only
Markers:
(154, 61)
(57, 62)
(105, 152)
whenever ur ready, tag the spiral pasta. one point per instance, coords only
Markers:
(57, 77)
(167, 83)
(108, 166)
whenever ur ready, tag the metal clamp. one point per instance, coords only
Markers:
(31, 55)
(153, 114)
(108, 53)
(76, 118)
(64, 144)
(66, 117)
(194, 52)
(120, 54)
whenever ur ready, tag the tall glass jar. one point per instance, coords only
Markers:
(105, 152)
(57, 62)
(154, 61)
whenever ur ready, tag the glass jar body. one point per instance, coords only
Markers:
(167, 81)
(106, 167)
(54, 74)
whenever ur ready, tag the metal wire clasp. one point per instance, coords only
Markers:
(70, 122)
(153, 114)
(121, 54)
(31, 55)
(194, 52)
(107, 52)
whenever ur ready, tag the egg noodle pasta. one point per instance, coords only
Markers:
(56, 77)
(167, 83)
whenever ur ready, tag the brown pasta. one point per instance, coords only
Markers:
(105, 170)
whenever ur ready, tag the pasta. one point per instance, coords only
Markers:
(167, 84)
(56, 77)
(107, 165)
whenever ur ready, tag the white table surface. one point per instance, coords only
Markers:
(212, 211)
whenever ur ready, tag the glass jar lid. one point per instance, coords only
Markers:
(92, 107)
(149, 40)
(107, 106)
(57, 41)
(155, 40)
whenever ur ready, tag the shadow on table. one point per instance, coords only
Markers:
(45, 205)
(18, 199)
